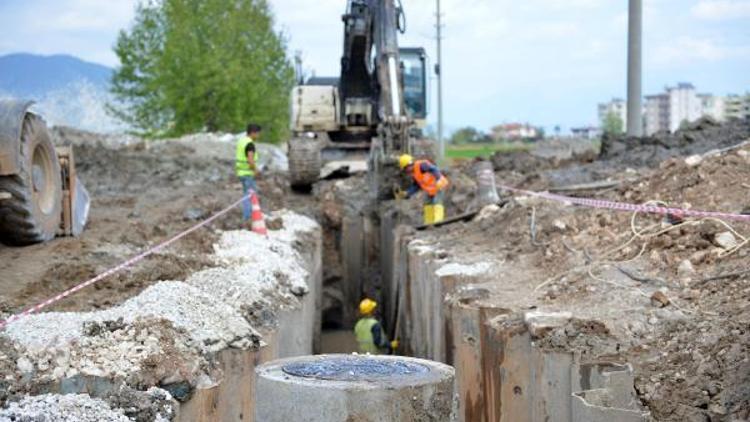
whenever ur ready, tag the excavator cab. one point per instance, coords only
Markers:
(414, 70)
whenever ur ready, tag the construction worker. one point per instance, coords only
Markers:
(246, 165)
(427, 177)
(371, 337)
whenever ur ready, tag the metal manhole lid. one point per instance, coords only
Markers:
(354, 369)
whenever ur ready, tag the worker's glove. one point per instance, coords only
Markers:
(399, 193)
(395, 344)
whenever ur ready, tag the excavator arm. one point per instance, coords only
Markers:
(367, 107)
(371, 85)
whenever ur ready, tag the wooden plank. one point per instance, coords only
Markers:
(5, 195)
(456, 219)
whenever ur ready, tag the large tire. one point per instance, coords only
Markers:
(304, 163)
(33, 213)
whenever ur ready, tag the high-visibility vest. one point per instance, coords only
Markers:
(241, 166)
(426, 180)
(365, 340)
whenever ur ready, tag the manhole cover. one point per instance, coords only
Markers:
(354, 369)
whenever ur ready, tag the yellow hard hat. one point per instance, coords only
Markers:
(405, 160)
(367, 306)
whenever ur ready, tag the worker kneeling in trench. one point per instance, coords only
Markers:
(371, 337)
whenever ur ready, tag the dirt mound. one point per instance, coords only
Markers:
(699, 137)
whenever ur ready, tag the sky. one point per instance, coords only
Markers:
(547, 62)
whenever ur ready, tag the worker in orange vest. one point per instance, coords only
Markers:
(427, 177)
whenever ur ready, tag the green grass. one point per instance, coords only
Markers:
(470, 151)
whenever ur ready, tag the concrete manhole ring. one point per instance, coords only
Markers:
(354, 368)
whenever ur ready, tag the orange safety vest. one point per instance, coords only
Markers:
(427, 181)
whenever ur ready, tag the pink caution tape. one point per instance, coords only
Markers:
(129, 263)
(622, 206)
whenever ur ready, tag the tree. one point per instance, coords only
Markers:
(613, 124)
(193, 65)
(467, 135)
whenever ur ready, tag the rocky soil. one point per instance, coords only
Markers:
(671, 297)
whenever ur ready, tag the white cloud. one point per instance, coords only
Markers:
(722, 9)
(690, 49)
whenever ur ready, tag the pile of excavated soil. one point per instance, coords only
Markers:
(169, 334)
(699, 137)
(621, 158)
(675, 303)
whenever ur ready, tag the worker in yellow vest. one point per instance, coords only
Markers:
(371, 337)
(246, 165)
(427, 177)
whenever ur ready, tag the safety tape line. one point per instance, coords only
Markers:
(129, 263)
(623, 206)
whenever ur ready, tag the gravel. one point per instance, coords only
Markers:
(62, 408)
(214, 324)
(274, 255)
(164, 335)
(463, 269)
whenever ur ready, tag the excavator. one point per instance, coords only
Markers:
(373, 110)
(40, 195)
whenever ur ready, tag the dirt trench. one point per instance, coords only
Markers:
(553, 312)
(519, 298)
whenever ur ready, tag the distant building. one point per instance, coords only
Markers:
(737, 106)
(656, 113)
(684, 105)
(514, 132)
(713, 106)
(586, 132)
(616, 106)
(667, 111)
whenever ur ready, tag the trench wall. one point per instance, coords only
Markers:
(298, 331)
(501, 372)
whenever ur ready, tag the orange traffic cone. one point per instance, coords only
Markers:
(258, 224)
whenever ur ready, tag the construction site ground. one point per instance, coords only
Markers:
(669, 296)
(142, 194)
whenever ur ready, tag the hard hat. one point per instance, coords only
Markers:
(367, 306)
(405, 160)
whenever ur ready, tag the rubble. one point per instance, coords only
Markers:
(62, 408)
(171, 334)
(667, 297)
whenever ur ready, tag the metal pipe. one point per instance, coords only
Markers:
(635, 77)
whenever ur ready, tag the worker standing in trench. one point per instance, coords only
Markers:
(371, 337)
(427, 177)
(246, 166)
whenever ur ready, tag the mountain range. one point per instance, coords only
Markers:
(67, 90)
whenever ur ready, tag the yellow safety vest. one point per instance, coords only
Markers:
(241, 166)
(363, 332)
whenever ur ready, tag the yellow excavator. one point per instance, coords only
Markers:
(40, 195)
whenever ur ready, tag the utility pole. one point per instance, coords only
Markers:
(439, 74)
(635, 77)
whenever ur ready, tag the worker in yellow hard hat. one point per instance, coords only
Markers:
(427, 177)
(371, 337)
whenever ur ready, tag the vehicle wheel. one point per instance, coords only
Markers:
(33, 213)
(304, 163)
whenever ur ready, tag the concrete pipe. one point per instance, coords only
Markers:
(486, 188)
(354, 388)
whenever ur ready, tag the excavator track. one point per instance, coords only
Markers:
(31, 210)
(304, 163)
